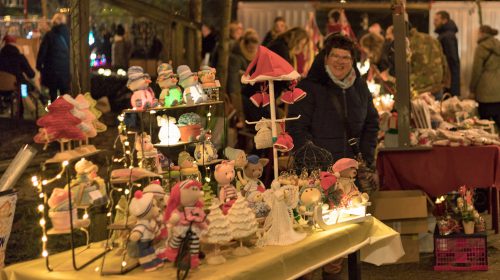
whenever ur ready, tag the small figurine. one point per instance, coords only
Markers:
(256, 202)
(143, 96)
(309, 198)
(147, 154)
(224, 175)
(171, 94)
(143, 207)
(88, 188)
(242, 223)
(186, 163)
(193, 92)
(253, 171)
(346, 169)
(205, 151)
(240, 161)
(218, 232)
(169, 133)
(185, 212)
(209, 84)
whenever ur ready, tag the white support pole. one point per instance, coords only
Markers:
(274, 131)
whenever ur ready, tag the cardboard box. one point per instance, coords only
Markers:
(409, 226)
(411, 246)
(395, 205)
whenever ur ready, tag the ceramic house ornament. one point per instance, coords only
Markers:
(171, 94)
(193, 92)
(169, 133)
(242, 223)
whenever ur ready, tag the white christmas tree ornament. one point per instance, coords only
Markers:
(242, 223)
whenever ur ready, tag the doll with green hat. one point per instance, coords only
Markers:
(171, 94)
(193, 92)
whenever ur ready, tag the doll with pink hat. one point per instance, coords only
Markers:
(184, 210)
(143, 207)
(346, 169)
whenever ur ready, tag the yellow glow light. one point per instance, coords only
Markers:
(42, 222)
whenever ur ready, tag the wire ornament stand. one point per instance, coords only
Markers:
(310, 157)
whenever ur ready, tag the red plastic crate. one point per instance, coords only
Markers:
(460, 252)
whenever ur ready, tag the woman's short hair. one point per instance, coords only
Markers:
(486, 29)
(58, 18)
(339, 41)
(293, 37)
(250, 36)
(120, 30)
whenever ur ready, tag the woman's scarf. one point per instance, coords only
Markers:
(347, 82)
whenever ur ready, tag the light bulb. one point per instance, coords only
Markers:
(207, 179)
(45, 253)
(126, 143)
(120, 189)
(108, 214)
(209, 114)
(85, 216)
(35, 184)
(34, 179)
(44, 239)
(65, 163)
(58, 176)
(41, 195)
(124, 263)
(40, 207)
(127, 191)
(42, 222)
(45, 182)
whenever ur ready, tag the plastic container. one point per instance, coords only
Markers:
(460, 252)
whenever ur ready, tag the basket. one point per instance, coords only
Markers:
(460, 252)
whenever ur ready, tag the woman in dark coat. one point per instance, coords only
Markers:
(13, 62)
(334, 90)
(53, 58)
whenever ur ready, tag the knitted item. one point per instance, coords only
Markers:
(59, 123)
(263, 138)
(284, 143)
(343, 164)
(135, 73)
(141, 204)
(267, 65)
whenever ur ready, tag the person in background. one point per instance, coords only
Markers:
(485, 80)
(372, 43)
(104, 46)
(155, 49)
(242, 53)
(209, 40)
(386, 65)
(289, 44)
(121, 50)
(278, 28)
(235, 31)
(13, 62)
(338, 23)
(53, 57)
(447, 30)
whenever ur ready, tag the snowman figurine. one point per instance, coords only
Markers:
(171, 94)
(193, 92)
(143, 96)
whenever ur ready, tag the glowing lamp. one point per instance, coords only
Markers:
(169, 132)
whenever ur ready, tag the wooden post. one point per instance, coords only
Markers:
(222, 64)
(167, 42)
(196, 9)
(402, 73)
(79, 49)
(44, 8)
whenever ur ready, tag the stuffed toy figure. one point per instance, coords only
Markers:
(209, 83)
(143, 207)
(88, 188)
(138, 82)
(253, 171)
(171, 94)
(184, 211)
(188, 168)
(224, 175)
(346, 169)
(193, 92)
(147, 154)
(256, 202)
(309, 198)
(240, 161)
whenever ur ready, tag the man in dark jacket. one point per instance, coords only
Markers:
(447, 30)
(53, 58)
(13, 62)
(335, 92)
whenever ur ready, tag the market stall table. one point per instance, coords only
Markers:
(441, 170)
(377, 243)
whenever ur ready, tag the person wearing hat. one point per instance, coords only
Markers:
(143, 96)
(193, 92)
(143, 207)
(14, 62)
(171, 94)
(53, 58)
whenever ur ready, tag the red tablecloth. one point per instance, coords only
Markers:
(440, 170)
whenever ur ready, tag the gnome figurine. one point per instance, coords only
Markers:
(193, 92)
(143, 96)
(171, 94)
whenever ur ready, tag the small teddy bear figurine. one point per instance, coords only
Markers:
(346, 169)
(240, 161)
(185, 211)
(143, 96)
(224, 175)
(171, 94)
(209, 84)
(143, 207)
(147, 154)
(253, 171)
(193, 92)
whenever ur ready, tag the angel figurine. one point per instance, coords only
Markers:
(278, 227)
